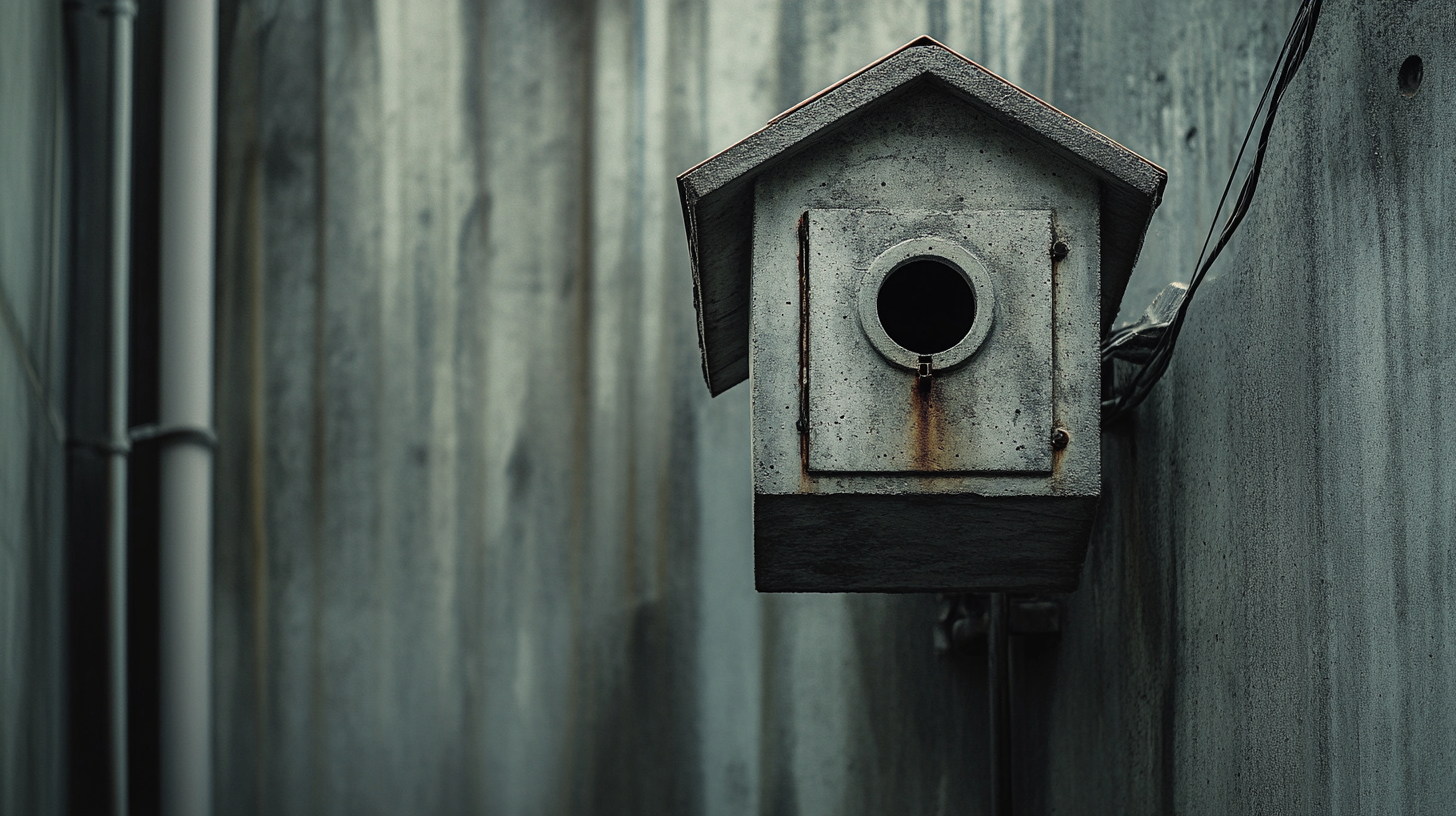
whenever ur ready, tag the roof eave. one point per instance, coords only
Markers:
(716, 194)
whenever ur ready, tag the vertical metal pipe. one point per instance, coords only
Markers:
(999, 681)
(121, 16)
(189, 113)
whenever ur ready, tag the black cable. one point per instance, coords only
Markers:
(1124, 343)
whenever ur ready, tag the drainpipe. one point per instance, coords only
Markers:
(998, 670)
(98, 38)
(121, 15)
(185, 437)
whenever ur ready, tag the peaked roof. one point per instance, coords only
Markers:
(717, 195)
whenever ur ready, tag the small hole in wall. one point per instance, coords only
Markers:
(1412, 71)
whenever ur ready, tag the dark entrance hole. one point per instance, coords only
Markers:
(1412, 71)
(926, 306)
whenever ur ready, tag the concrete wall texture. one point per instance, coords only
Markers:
(483, 540)
(1265, 621)
(32, 400)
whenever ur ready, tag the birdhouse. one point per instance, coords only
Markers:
(915, 268)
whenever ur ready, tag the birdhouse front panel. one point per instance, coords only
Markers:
(930, 341)
(925, 185)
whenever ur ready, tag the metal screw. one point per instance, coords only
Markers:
(1060, 438)
(1059, 250)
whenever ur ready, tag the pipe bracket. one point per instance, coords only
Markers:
(196, 435)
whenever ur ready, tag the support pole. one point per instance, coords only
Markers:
(189, 114)
(121, 17)
(998, 678)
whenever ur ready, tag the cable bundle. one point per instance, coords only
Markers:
(1150, 342)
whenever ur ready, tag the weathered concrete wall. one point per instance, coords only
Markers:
(484, 541)
(32, 387)
(1264, 624)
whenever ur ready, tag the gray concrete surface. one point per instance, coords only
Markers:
(1265, 622)
(32, 452)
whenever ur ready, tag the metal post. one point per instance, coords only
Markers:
(188, 150)
(999, 681)
(121, 16)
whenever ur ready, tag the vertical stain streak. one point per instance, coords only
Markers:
(1058, 455)
(317, 748)
(581, 402)
(769, 718)
(935, 19)
(925, 426)
(476, 105)
(629, 514)
(653, 56)
(633, 352)
(257, 472)
(806, 485)
(1051, 51)
(1396, 313)
(55, 280)
(790, 53)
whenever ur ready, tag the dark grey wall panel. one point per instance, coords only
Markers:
(460, 577)
(32, 452)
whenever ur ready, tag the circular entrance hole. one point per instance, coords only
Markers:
(926, 306)
(1412, 71)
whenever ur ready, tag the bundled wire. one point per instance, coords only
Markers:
(1149, 343)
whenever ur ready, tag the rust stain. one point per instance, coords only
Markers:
(806, 483)
(1059, 451)
(1060, 249)
(927, 425)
